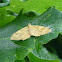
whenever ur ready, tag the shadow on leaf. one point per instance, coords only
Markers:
(55, 46)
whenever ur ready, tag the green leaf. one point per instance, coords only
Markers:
(11, 50)
(5, 17)
(33, 58)
(15, 6)
(7, 51)
(52, 18)
(55, 46)
(4, 3)
(41, 6)
(42, 53)
(38, 6)
(28, 5)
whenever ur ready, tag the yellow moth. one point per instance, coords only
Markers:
(21, 34)
(30, 30)
(36, 30)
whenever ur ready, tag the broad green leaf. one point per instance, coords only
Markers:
(11, 50)
(7, 51)
(38, 6)
(4, 3)
(28, 5)
(42, 53)
(15, 6)
(5, 17)
(33, 58)
(51, 18)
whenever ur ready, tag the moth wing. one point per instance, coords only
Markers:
(45, 31)
(15, 37)
(36, 30)
(21, 34)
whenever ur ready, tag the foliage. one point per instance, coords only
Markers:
(39, 49)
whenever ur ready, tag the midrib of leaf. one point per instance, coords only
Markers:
(5, 38)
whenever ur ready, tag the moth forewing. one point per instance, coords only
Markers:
(46, 31)
(21, 34)
(36, 30)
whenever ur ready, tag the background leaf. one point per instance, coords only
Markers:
(16, 5)
(5, 17)
(33, 58)
(56, 46)
(38, 6)
(4, 3)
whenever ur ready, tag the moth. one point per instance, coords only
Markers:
(30, 30)
(36, 30)
(21, 34)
